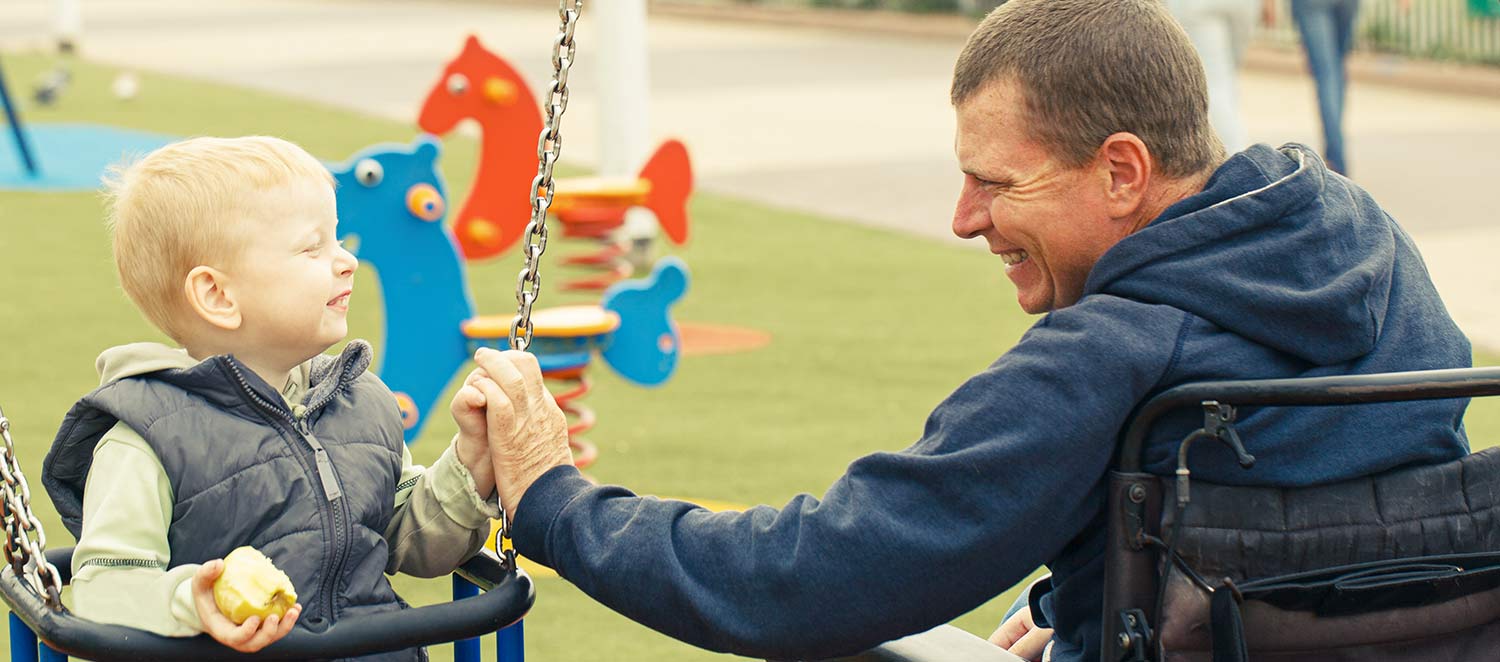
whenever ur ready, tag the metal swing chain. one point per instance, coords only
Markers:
(548, 150)
(26, 556)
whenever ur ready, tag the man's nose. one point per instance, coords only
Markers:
(971, 215)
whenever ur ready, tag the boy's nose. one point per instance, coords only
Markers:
(347, 263)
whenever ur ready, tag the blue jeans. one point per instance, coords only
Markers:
(1327, 28)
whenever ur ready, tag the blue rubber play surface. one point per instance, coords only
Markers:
(70, 157)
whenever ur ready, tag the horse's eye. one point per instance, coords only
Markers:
(458, 84)
(368, 172)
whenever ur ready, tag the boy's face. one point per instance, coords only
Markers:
(292, 279)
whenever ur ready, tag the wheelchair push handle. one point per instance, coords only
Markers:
(1308, 392)
(507, 596)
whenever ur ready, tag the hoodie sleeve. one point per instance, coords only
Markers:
(120, 573)
(440, 520)
(1009, 469)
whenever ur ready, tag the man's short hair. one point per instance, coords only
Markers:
(1091, 68)
(187, 204)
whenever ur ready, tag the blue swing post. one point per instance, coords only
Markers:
(17, 131)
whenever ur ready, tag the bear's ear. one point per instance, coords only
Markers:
(427, 147)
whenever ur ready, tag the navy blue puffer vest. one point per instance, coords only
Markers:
(313, 492)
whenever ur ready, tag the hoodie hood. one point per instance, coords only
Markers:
(174, 365)
(1237, 254)
(139, 358)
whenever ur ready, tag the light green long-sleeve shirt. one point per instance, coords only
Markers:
(120, 573)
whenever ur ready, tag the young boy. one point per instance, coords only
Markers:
(248, 435)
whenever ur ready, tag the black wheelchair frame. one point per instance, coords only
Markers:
(1136, 498)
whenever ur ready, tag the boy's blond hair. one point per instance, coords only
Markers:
(185, 205)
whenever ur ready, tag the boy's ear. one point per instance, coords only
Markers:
(209, 298)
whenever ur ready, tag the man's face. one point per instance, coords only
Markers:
(1048, 222)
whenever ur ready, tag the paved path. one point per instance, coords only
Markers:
(850, 125)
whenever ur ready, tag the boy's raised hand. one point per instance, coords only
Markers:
(248, 637)
(473, 443)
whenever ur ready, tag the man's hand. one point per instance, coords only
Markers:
(1268, 13)
(472, 445)
(528, 432)
(247, 637)
(1020, 636)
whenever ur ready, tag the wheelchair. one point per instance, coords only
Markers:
(1403, 565)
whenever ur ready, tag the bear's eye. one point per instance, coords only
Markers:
(369, 172)
(458, 84)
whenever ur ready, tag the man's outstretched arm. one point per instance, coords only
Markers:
(1007, 472)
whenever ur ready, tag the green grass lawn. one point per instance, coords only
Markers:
(871, 330)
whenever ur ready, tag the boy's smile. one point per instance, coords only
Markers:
(341, 302)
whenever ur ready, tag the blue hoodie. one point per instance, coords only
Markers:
(1278, 268)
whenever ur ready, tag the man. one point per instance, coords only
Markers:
(1092, 172)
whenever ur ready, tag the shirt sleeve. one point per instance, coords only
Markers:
(1008, 470)
(440, 521)
(120, 573)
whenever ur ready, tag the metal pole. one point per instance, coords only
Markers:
(624, 109)
(49, 655)
(465, 650)
(22, 641)
(510, 645)
(16, 131)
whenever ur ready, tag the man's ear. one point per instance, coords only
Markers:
(1128, 163)
(209, 298)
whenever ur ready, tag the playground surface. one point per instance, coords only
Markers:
(842, 376)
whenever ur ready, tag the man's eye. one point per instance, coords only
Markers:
(986, 184)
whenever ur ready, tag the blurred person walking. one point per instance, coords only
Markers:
(1220, 30)
(1327, 30)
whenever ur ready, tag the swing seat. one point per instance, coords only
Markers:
(507, 596)
(1399, 566)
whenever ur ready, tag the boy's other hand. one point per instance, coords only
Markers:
(472, 446)
(248, 637)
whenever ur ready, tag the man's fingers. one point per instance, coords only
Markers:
(1013, 628)
(531, 374)
(503, 371)
(1032, 644)
(501, 413)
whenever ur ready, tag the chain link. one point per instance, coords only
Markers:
(548, 149)
(25, 555)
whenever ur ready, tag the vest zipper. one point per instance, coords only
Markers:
(326, 476)
(331, 489)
